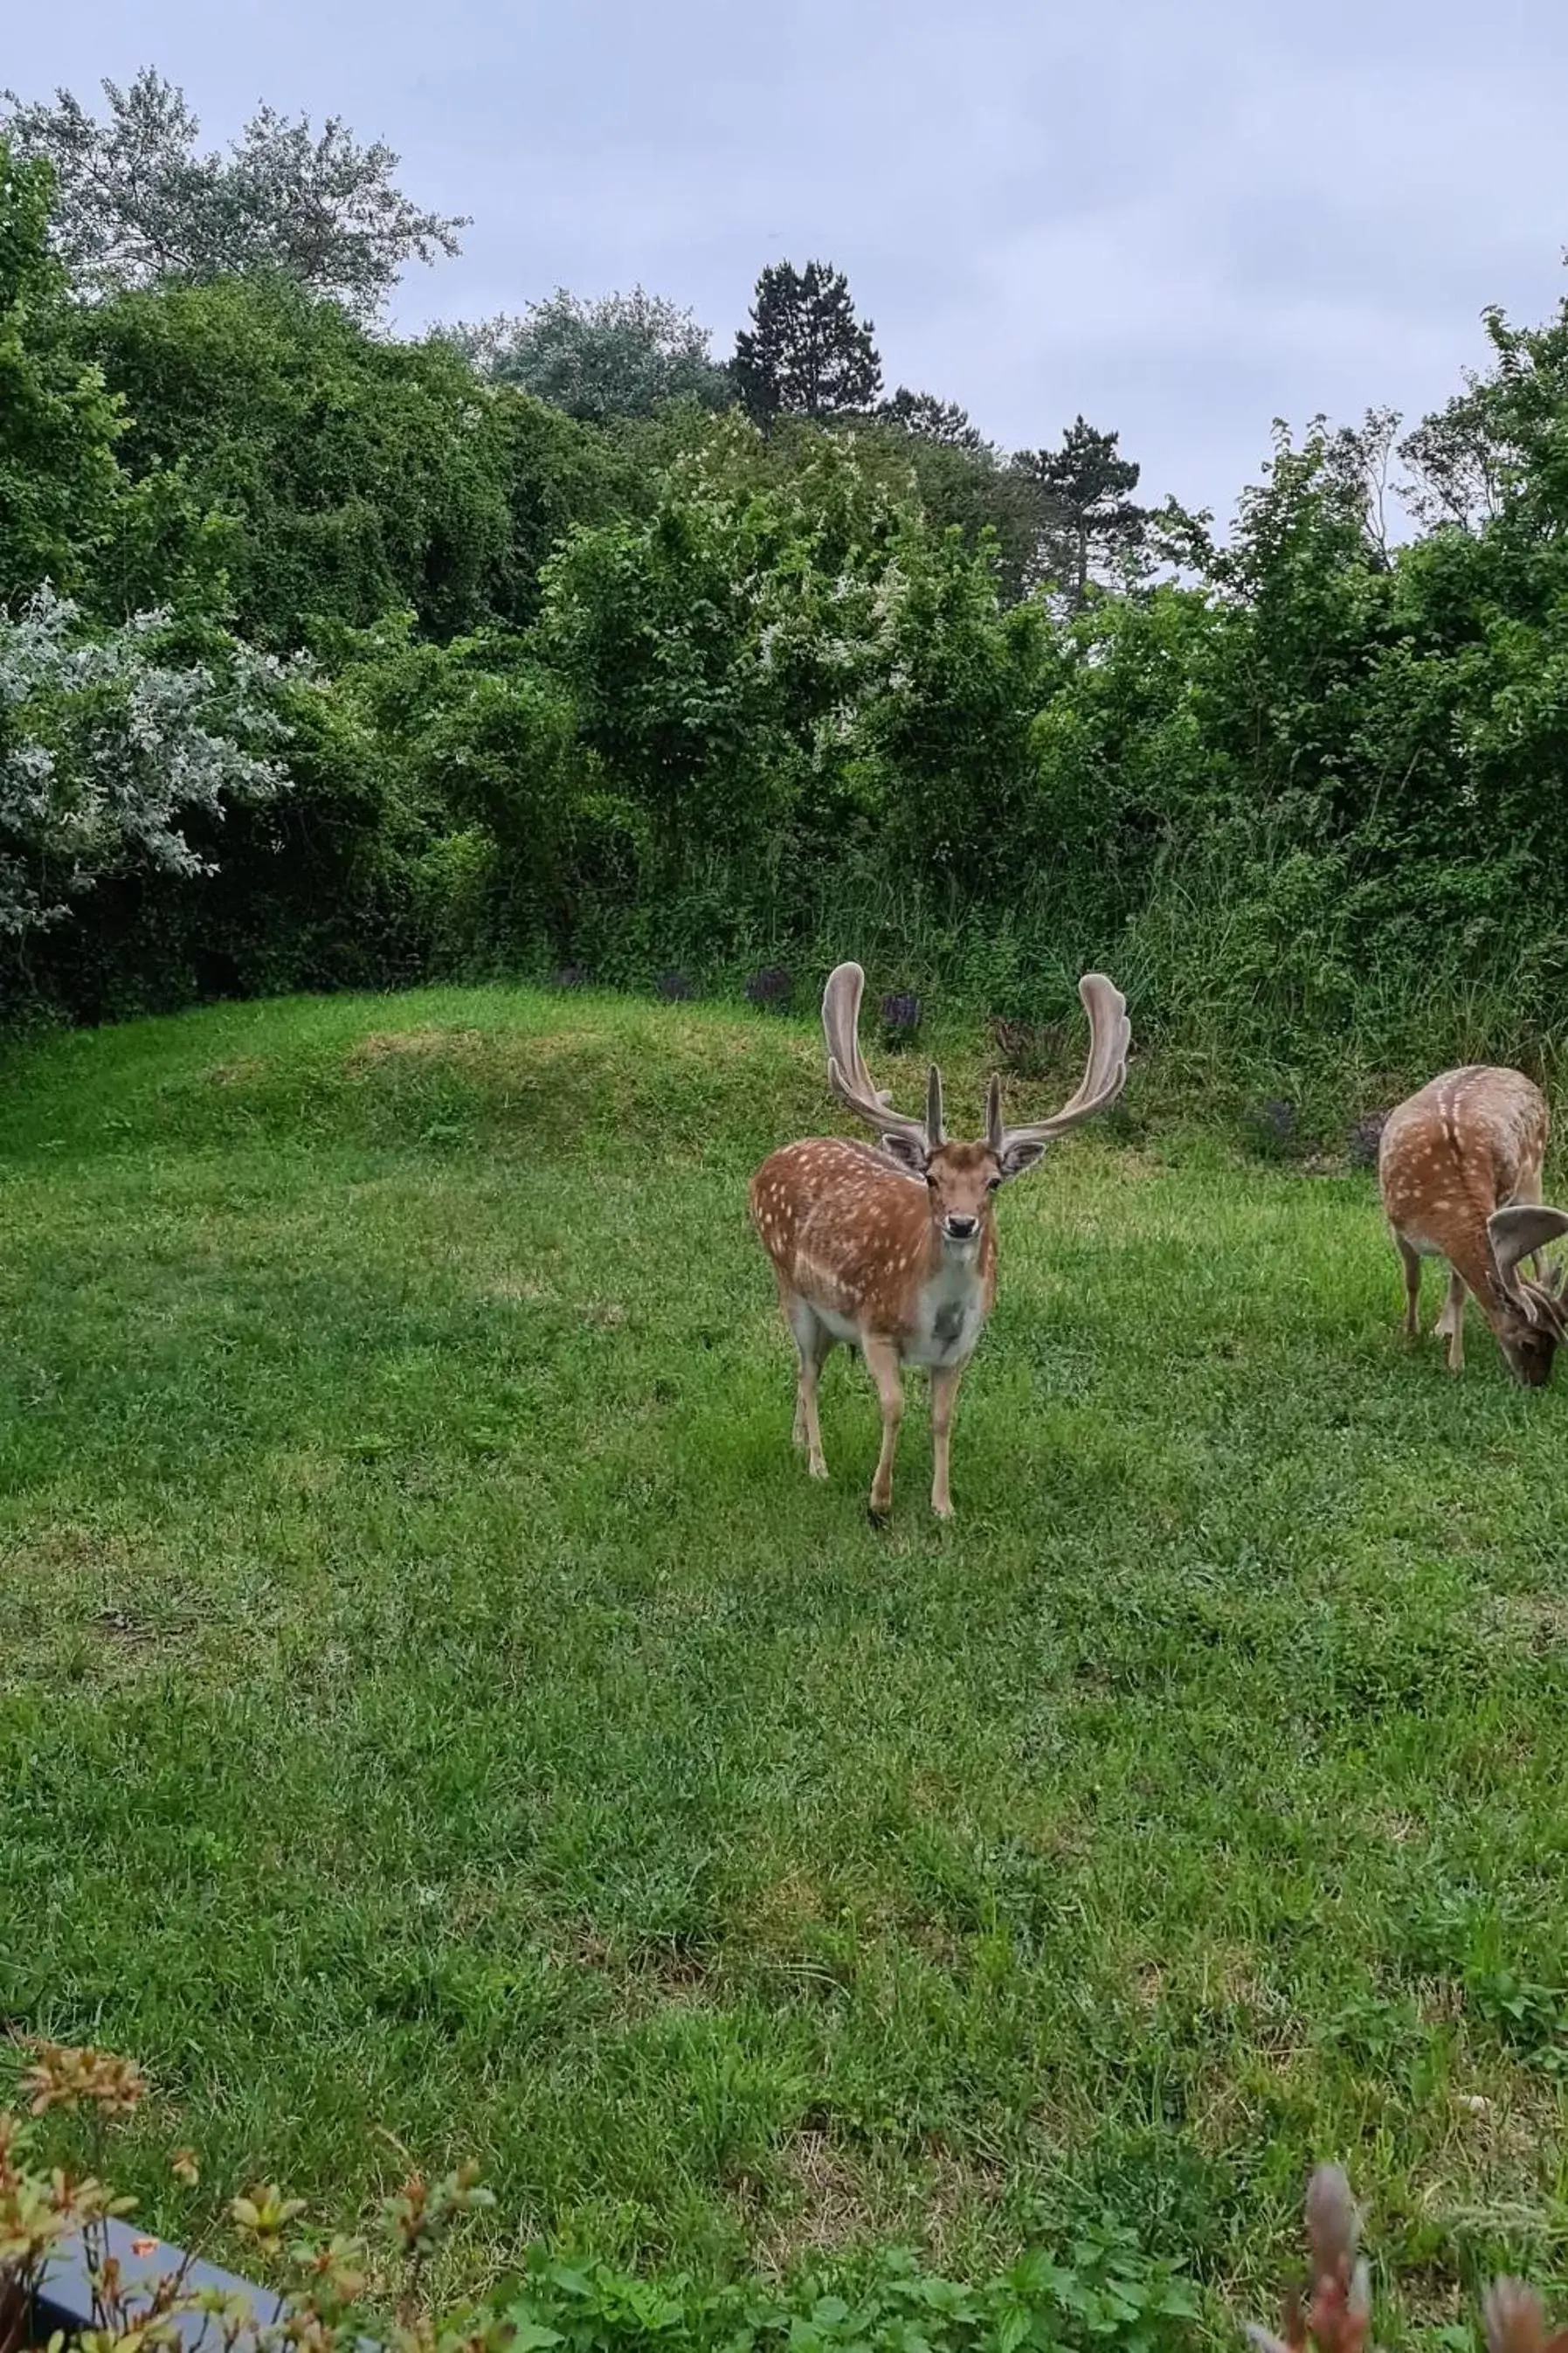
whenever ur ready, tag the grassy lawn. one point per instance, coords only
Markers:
(433, 1697)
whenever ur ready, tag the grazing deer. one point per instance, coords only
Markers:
(892, 1248)
(1459, 1171)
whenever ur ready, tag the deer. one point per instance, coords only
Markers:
(1459, 1173)
(890, 1247)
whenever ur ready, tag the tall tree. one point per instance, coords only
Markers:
(138, 203)
(70, 514)
(805, 352)
(622, 355)
(931, 419)
(356, 475)
(59, 474)
(1087, 517)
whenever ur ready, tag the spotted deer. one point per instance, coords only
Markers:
(1459, 1171)
(892, 1247)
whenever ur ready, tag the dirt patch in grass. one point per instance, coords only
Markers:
(830, 2198)
(416, 1045)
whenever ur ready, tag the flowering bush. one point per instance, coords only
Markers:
(110, 746)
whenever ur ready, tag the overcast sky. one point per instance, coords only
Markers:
(1181, 217)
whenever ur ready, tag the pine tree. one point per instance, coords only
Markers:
(1088, 515)
(805, 353)
(931, 419)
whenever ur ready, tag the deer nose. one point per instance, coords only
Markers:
(961, 1229)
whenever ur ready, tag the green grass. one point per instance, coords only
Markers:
(432, 1696)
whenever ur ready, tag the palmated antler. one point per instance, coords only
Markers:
(1522, 1231)
(1109, 1038)
(850, 1080)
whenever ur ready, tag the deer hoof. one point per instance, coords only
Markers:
(817, 1470)
(879, 1514)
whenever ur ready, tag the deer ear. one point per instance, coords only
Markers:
(1015, 1158)
(906, 1152)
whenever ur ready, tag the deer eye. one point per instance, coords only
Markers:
(993, 1184)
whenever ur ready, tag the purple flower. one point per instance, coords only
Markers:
(900, 1015)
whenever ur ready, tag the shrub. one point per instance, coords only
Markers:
(111, 745)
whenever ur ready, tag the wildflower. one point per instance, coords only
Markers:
(900, 1017)
(420, 2217)
(266, 2214)
(64, 2077)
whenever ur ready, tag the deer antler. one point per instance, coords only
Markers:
(851, 1081)
(1340, 2303)
(1521, 1230)
(1109, 1037)
(1514, 2319)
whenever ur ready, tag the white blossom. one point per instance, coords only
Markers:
(107, 751)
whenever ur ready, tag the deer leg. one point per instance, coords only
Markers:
(1411, 1287)
(1451, 1324)
(882, 1363)
(944, 1383)
(813, 1341)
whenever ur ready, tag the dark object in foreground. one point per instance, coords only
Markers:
(64, 2300)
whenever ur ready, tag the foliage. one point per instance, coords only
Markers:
(69, 515)
(1106, 2293)
(487, 744)
(624, 355)
(356, 476)
(137, 205)
(653, 688)
(806, 353)
(996, 506)
(933, 419)
(1090, 520)
(109, 744)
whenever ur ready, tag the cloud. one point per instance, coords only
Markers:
(1180, 221)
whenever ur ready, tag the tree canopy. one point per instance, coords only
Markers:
(806, 353)
(622, 355)
(138, 203)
